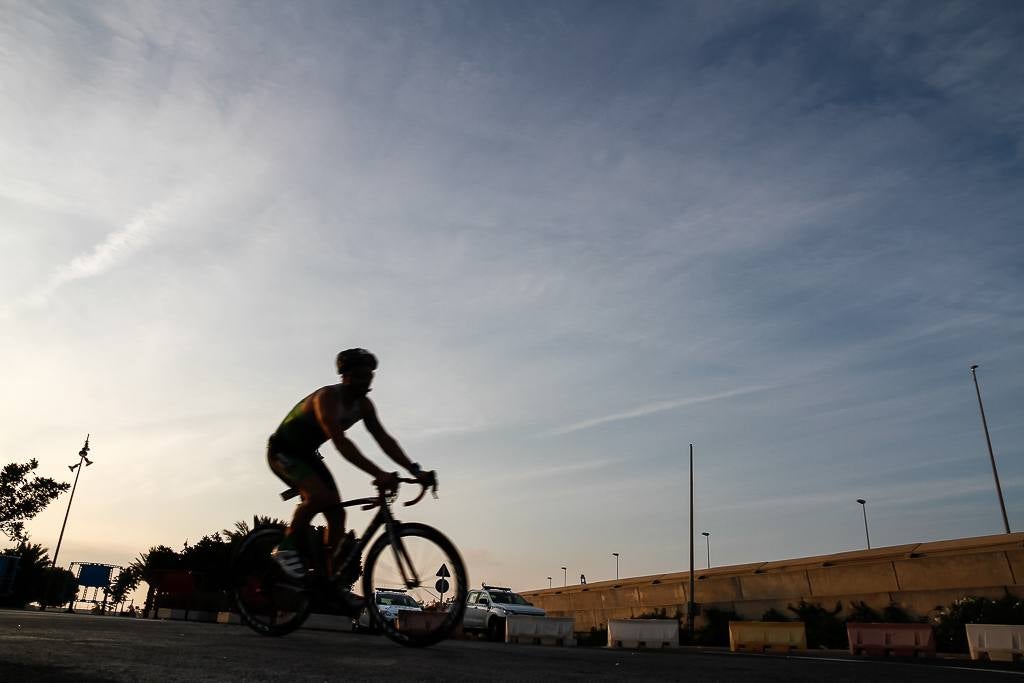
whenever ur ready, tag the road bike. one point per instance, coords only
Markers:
(408, 556)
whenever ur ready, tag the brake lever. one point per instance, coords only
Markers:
(417, 499)
(432, 486)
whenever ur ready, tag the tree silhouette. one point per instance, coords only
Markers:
(36, 580)
(152, 566)
(23, 495)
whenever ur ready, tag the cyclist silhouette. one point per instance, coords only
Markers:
(292, 453)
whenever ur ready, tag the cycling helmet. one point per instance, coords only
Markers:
(352, 359)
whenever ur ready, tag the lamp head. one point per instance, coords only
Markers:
(974, 367)
(705, 533)
(72, 467)
(861, 501)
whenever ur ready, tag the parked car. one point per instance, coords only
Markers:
(390, 601)
(487, 608)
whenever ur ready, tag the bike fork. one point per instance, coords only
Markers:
(402, 559)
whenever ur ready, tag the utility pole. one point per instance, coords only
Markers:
(690, 607)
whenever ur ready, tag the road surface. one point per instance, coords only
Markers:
(55, 646)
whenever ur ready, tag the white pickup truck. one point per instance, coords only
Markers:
(487, 608)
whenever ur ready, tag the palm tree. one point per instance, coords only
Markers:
(151, 567)
(243, 528)
(127, 581)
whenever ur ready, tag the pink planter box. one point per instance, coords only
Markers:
(413, 622)
(898, 640)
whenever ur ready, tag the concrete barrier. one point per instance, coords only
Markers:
(900, 640)
(767, 636)
(228, 618)
(328, 622)
(647, 633)
(421, 622)
(168, 613)
(998, 642)
(201, 615)
(539, 630)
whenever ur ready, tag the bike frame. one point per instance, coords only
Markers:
(383, 518)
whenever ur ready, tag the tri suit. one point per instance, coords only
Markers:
(292, 451)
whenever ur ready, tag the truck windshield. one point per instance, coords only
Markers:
(508, 598)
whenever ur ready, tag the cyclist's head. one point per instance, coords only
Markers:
(356, 368)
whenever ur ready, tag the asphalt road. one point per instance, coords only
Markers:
(55, 646)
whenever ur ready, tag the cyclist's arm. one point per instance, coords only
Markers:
(325, 405)
(386, 442)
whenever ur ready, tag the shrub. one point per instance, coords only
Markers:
(824, 629)
(950, 634)
(894, 614)
(862, 613)
(774, 615)
(716, 627)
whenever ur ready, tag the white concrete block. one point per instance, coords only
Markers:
(540, 630)
(648, 633)
(1001, 643)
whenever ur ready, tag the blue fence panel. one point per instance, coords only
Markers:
(94, 576)
(8, 570)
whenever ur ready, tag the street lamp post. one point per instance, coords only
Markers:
(77, 469)
(991, 457)
(565, 579)
(549, 582)
(864, 509)
(707, 537)
(692, 604)
(616, 566)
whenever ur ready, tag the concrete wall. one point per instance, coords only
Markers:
(919, 577)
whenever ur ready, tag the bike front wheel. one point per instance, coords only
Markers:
(268, 602)
(422, 562)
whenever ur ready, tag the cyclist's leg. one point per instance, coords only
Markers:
(310, 477)
(325, 499)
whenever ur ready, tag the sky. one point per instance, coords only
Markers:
(579, 236)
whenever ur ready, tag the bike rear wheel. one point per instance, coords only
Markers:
(416, 559)
(268, 602)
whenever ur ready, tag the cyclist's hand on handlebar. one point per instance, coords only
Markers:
(387, 482)
(426, 479)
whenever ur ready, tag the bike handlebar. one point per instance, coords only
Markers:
(290, 493)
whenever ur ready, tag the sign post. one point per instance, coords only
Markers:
(442, 585)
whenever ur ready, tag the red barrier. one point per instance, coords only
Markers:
(898, 640)
(423, 622)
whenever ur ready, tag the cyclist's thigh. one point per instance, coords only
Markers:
(309, 475)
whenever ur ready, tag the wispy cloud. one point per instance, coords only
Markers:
(651, 408)
(116, 247)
